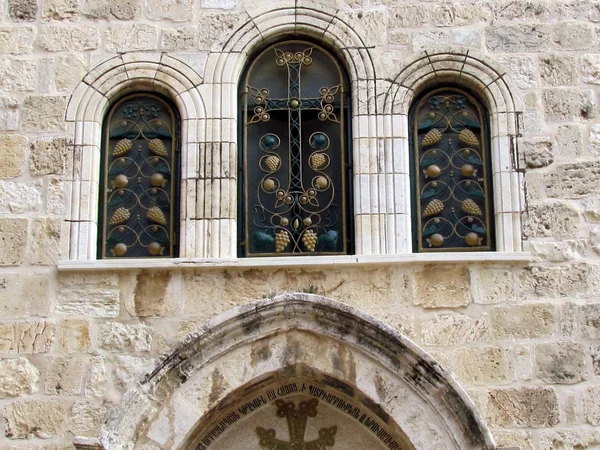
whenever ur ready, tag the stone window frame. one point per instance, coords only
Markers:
(208, 108)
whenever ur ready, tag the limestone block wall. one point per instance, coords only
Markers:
(520, 332)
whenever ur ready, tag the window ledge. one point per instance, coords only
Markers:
(296, 261)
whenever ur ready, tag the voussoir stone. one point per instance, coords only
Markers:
(560, 362)
(523, 321)
(522, 407)
(18, 377)
(12, 153)
(13, 240)
(576, 180)
(34, 418)
(126, 338)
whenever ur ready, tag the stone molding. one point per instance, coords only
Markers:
(439, 400)
(208, 108)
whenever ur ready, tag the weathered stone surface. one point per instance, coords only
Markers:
(34, 418)
(24, 295)
(442, 287)
(552, 219)
(56, 192)
(569, 143)
(126, 338)
(513, 439)
(18, 377)
(44, 113)
(46, 241)
(589, 320)
(523, 321)
(456, 14)
(568, 105)
(595, 354)
(404, 16)
(481, 366)
(523, 362)
(64, 376)
(489, 286)
(590, 68)
(424, 40)
(595, 239)
(96, 379)
(26, 337)
(522, 69)
(18, 75)
(579, 9)
(214, 28)
(16, 41)
(111, 9)
(560, 251)
(87, 418)
(467, 38)
(12, 152)
(8, 114)
(69, 71)
(572, 36)
(455, 330)
(73, 336)
(569, 325)
(17, 198)
(522, 407)
(537, 152)
(573, 280)
(560, 362)
(22, 10)
(130, 37)
(58, 38)
(176, 10)
(594, 140)
(510, 10)
(518, 37)
(575, 180)
(129, 368)
(155, 295)
(183, 38)
(591, 405)
(569, 439)
(58, 10)
(93, 302)
(558, 70)
(13, 241)
(591, 210)
(370, 24)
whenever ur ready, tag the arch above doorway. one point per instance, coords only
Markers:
(296, 338)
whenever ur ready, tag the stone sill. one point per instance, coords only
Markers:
(297, 261)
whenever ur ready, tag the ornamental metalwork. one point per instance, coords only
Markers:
(139, 180)
(294, 153)
(452, 179)
(296, 421)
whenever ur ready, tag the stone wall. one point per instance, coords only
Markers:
(520, 334)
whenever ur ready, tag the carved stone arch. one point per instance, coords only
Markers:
(103, 85)
(294, 337)
(493, 86)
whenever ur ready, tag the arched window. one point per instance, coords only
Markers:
(294, 159)
(451, 173)
(139, 179)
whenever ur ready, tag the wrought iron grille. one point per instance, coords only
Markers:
(294, 153)
(452, 175)
(139, 180)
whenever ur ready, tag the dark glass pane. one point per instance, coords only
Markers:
(139, 180)
(452, 177)
(294, 153)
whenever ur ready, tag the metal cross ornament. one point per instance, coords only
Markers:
(296, 419)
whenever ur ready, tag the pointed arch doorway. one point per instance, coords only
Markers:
(296, 372)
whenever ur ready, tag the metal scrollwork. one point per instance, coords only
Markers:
(452, 182)
(294, 155)
(139, 179)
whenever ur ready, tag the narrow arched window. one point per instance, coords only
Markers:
(451, 173)
(139, 179)
(295, 170)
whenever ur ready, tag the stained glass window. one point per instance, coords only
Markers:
(451, 173)
(138, 201)
(295, 169)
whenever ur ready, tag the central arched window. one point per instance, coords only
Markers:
(294, 161)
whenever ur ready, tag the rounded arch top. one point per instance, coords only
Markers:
(285, 332)
(468, 68)
(136, 72)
